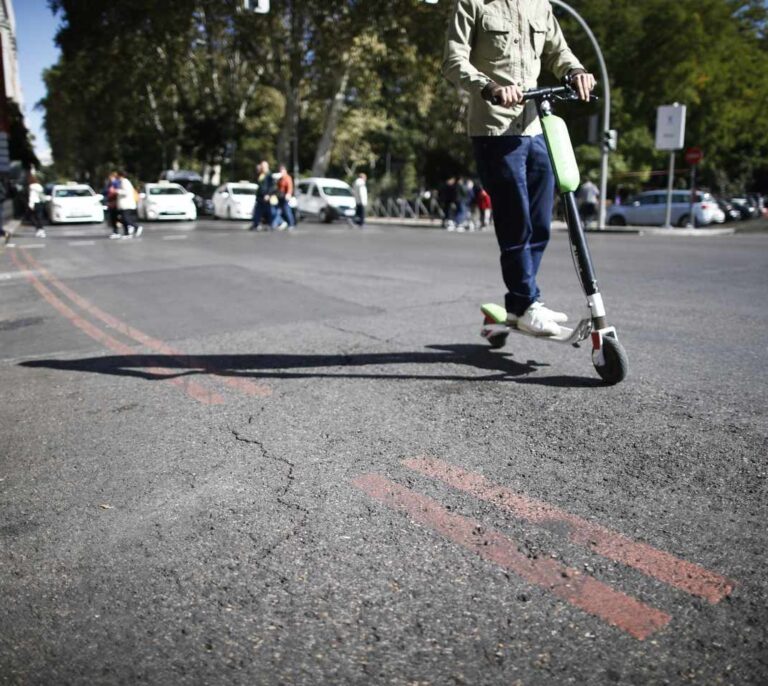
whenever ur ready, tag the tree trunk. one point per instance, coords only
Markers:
(325, 146)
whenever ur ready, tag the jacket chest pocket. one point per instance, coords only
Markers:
(538, 28)
(494, 38)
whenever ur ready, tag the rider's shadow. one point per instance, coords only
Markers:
(498, 365)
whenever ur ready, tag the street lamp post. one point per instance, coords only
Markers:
(607, 134)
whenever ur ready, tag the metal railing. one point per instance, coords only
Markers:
(403, 208)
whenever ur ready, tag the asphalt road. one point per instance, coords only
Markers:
(238, 458)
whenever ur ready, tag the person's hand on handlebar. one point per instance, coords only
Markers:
(505, 96)
(583, 83)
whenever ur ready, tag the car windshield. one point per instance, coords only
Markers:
(73, 193)
(160, 190)
(244, 190)
(337, 191)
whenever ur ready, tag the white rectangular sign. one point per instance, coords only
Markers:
(670, 127)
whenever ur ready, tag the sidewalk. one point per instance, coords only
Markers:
(560, 226)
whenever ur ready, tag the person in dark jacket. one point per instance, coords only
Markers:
(5, 235)
(263, 209)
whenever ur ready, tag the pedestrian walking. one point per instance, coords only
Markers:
(127, 201)
(495, 51)
(35, 205)
(284, 213)
(113, 214)
(483, 207)
(263, 209)
(5, 234)
(465, 193)
(360, 190)
(448, 203)
(589, 195)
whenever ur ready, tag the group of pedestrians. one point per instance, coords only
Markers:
(465, 205)
(273, 209)
(122, 203)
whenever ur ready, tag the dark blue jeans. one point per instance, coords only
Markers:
(517, 173)
(262, 212)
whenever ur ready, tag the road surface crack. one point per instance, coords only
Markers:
(282, 494)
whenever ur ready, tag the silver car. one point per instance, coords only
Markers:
(650, 207)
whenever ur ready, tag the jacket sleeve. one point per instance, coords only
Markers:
(461, 34)
(557, 56)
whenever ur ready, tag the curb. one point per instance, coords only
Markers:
(560, 226)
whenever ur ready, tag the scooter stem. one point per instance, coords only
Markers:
(582, 255)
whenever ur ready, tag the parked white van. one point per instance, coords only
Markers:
(326, 199)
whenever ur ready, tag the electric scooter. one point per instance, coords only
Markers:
(608, 355)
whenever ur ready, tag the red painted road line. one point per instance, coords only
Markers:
(582, 591)
(244, 385)
(665, 567)
(193, 389)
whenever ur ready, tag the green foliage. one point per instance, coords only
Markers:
(147, 85)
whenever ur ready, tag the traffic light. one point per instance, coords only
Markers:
(611, 139)
(258, 6)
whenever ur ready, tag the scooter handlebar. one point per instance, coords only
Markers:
(564, 92)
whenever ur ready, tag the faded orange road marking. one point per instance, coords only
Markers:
(582, 591)
(243, 385)
(192, 388)
(678, 573)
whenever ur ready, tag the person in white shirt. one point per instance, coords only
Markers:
(361, 199)
(126, 205)
(35, 205)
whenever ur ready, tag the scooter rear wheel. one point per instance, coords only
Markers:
(616, 365)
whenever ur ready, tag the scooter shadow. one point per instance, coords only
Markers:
(500, 366)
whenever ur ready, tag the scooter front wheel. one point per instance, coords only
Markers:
(498, 340)
(614, 365)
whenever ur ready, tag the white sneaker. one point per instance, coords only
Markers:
(139, 231)
(535, 320)
(40, 233)
(131, 230)
(558, 317)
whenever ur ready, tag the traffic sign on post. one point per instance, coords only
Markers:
(670, 127)
(694, 156)
(670, 135)
(258, 6)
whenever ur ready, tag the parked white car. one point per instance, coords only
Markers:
(73, 202)
(235, 200)
(166, 200)
(649, 209)
(326, 199)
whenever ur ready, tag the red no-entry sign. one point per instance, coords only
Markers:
(694, 156)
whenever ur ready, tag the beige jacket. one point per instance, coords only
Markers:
(508, 42)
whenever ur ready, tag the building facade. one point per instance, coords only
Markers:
(9, 58)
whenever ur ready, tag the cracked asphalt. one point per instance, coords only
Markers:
(213, 463)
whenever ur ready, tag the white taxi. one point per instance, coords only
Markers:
(235, 200)
(73, 202)
(166, 200)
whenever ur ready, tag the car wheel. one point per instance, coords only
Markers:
(683, 222)
(229, 213)
(617, 220)
(325, 216)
